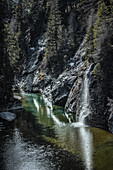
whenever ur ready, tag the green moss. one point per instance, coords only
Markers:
(46, 52)
(96, 29)
(103, 10)
(102, 15)
(89, 42)
(97, 70)
(86, 53)
(89, 34)
(65, 56)
(80, 4)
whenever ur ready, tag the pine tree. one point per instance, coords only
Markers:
(54, 31)
(12, 45)
(6, 75)
(37, 19)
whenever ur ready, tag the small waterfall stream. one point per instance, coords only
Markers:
(85, 135)
(85, 111)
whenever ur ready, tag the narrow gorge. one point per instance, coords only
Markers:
(51, 54)
(56, 83)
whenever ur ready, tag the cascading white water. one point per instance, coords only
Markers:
(85, 111)
(85, 135)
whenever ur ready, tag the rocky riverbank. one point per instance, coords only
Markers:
(62, 83)
(66, 89)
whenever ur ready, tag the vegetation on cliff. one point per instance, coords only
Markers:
(5, 64)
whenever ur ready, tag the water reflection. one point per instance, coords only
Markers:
(86, 144)
(75, 137)
(84, 136)
(21, 155)
(39, 134)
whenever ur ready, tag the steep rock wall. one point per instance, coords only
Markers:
(64, 86)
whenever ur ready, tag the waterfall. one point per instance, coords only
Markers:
(85, 111)
(85, 136)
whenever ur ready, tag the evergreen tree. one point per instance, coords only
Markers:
(54, 31)
(12, 45)
(37, 19)
(6, 75)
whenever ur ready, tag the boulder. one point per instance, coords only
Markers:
(7, 116)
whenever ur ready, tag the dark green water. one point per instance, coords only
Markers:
(44, 137)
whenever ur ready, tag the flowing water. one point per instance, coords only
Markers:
(84, 112)
(45, 137)
(86, 136)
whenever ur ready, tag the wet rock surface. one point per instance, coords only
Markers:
(55, 89)
(7, 116)
(62, 86)
(74, 96)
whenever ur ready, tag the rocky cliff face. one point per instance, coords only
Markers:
(64, 86)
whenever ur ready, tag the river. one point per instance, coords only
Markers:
(45, 137)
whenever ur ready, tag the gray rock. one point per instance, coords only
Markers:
(62, 86)
(1, 126)
(7, 116)
(14, 108)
